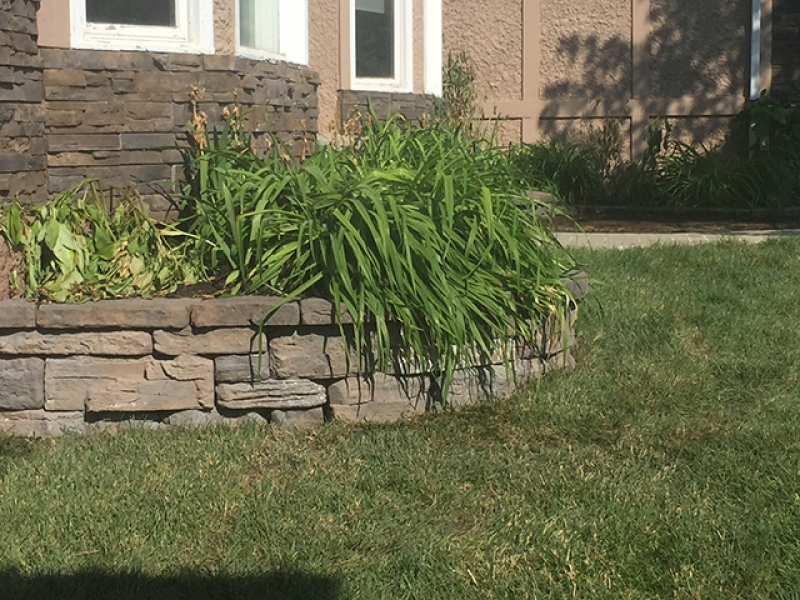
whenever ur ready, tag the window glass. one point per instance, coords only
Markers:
(375, 31)
(128, 12)
(259, 25)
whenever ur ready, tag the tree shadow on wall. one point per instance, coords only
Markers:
(696, 54)
(99, 585)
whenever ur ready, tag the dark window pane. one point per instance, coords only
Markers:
(375, 38)
(131, 12)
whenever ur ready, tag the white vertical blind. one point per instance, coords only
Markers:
(259, 25)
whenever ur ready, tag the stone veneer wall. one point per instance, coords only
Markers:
(119, 116)
(785, 48)
(385, 104)
(168, 362)
(67, 115)
(22, 129)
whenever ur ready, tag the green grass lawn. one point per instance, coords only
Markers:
(666, 466)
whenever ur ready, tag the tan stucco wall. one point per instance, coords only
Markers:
(53, 21)
(418, 26)
(585, 48)
(708, 131)
(493, 41)
(324, 52)
(225, 26)
(703, 51)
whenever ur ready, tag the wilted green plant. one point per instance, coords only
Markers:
(416, 226)
(76, 249)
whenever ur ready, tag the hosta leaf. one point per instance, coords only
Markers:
(14, 227)
(52, 229)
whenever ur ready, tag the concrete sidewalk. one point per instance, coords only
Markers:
(631, 240)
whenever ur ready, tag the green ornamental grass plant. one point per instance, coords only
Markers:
(424, 227)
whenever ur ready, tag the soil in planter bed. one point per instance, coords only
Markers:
(9, 261)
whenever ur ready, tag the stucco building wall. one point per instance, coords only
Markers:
(325, 51)
(585, 49)
(786, 48)
(493, 41)
(546, 63)
(699, 48)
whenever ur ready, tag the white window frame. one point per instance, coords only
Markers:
(193, 33)
(292, 31)
(403, 80)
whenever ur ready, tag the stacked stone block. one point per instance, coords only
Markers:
(22, 141)
(189, 362)
(386, 104)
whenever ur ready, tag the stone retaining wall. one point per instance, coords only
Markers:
(168, 362)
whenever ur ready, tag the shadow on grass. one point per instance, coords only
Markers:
(13, 448)
(92, 585)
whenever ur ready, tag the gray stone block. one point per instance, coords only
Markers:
(244, 311)
(311, 356)
(194, 418)
(136, 313)
(41, 424)
(22, 384)
(17, 314)
(271, 394)
(129, 385)
(218, 341)
(471, 386)
(298, 419)
(110, 343)
(241, 368)
(316, 311)
(376, 412)
(380, 388)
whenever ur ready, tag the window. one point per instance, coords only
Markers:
(276, 29)
(155, 25)
(381, 45)
(159, 13)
